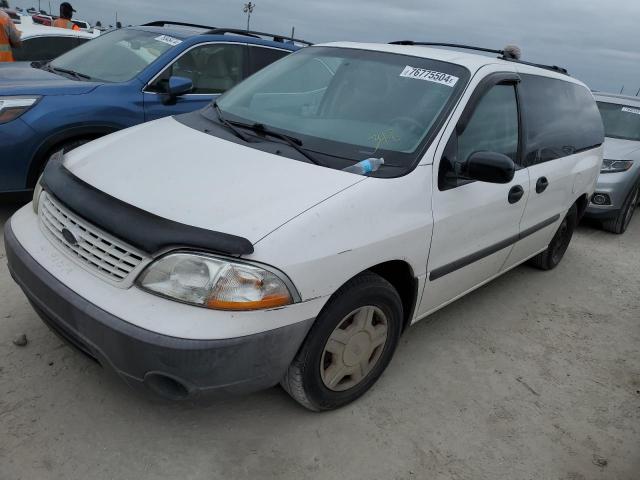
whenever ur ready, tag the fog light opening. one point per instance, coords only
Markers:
(166, 387)
(601, 199)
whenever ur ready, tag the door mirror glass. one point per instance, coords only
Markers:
(179, 86)
(490, 167)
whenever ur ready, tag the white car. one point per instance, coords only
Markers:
(43, 43)
(236, 247)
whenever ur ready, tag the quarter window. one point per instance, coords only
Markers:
(493, 127)
(260, 57)
(561, 119)
(212, 68)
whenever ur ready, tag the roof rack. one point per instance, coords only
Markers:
(452, 45)
(164, 23)
(254, 34)
(500, 53)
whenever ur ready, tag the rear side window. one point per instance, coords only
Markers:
(561, 119)
(260, 57)
(44, 48)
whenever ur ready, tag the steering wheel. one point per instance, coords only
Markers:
(408, 123)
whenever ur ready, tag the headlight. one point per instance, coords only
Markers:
(12, 107)
(37, 191)
(216, 283)
(613, 166)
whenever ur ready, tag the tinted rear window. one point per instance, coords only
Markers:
(561, 119)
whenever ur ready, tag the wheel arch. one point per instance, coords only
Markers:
(581, 203)
(55, 141)
(400, 275)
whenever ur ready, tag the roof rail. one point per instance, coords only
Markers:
(500, 53)
(164, 23)
(252, 33)
(452, 45)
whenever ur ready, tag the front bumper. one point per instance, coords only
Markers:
(617, 186)
(173, 367)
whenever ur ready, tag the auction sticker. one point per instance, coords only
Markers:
(429, 76)
(631, 110)
(169, 40)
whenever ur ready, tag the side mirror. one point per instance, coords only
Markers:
(490, 167)
(176, 87)
(179, 86)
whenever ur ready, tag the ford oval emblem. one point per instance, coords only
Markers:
(69, 237)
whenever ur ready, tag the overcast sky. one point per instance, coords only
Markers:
(599, 42)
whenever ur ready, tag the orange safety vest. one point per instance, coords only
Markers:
(64, 23)
(6, 55)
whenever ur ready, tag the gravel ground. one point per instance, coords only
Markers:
(535, 376)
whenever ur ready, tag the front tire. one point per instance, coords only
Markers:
(619, 224)
(349, 346)
(552, 256)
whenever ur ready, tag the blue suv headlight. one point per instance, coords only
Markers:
(12, 107)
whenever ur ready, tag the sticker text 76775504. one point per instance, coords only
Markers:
(429, 76)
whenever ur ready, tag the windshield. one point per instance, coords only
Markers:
(620, 121)
(117, 56)
(350, 105)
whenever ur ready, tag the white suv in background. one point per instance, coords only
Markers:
(238, 246)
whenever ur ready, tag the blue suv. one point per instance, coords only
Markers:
(118, 80)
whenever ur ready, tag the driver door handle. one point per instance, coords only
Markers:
(515, 194)
(542, 184)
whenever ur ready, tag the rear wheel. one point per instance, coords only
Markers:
(348, 347)
(552, 256)
(620, 223)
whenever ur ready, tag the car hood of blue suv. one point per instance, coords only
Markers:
(21, 78)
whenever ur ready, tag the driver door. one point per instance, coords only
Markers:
(475, 223)
(213, 68)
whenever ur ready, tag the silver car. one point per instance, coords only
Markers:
(618, 190)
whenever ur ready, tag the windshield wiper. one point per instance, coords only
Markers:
(293, 142)
(70, 72)
(228, 124)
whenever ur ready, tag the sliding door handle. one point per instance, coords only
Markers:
(515, 194)
(542, 184)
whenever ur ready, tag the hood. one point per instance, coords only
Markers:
(618, 149)
(20, 78)
(190, 177)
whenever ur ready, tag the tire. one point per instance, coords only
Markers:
(314, 377)
(552, 256)
(619, 224)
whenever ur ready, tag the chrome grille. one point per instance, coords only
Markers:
(97, 251)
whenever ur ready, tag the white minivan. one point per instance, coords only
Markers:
(233, 248)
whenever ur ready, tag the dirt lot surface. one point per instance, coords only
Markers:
(535, 376)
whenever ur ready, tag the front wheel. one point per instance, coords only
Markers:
(349, 346)
(551, 257)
